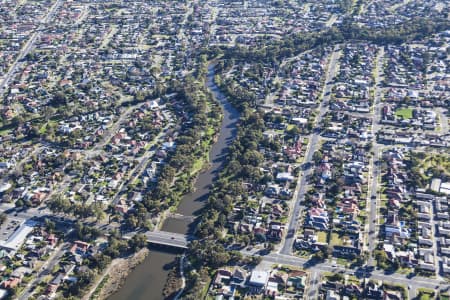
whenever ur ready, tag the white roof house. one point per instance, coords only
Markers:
(259, 278)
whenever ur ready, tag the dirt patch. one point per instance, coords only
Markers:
(120, 271)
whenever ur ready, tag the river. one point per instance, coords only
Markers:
(146, 282)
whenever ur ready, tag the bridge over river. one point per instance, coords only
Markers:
(171, 239)
(148, 280)
(165, 238)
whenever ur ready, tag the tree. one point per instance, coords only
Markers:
(317, 157)
(138, 242)
(85, 232)
(84, 279)
(319, 255)
(294, 130)
(49, 226)
(19, 203)
(59, 99)
(101, 261)
(60, 204)
(208, 253)
(3, 218)
(337, 277)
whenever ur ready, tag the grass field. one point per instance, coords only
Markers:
(405, 113)
(425, 294)
(322, 237)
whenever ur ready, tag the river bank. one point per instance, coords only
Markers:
(148, 279)
(115, 275)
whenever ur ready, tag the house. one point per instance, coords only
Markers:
(297, 279)
(239, 277)
(275, 280)
(392, 295)
(222, 278)
(284, 176)
(52, 240)
(332, 295)
(258, 281)
(11, 282)
(54, 284)
(276, 231)
(79, 248)
(374, 291)
(346, 251)
(353, 290)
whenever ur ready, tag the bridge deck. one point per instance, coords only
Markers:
(169, 238)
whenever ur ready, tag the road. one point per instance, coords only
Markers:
(443, 121)
(47, 268)
(314, 282)
(320, 268)
(166, 238)
(312, 147)
(374, 167)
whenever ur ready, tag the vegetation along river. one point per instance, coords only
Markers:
(148, 279)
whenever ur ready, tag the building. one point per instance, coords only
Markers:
(13, 242)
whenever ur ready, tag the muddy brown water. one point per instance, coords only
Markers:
(148, 279)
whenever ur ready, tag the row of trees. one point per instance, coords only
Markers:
(243, 162)
(60, 204)
(200, 115)
(275, 51)
(243, 165)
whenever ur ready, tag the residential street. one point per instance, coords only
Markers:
(372, 194)
(47, 268)
(320, 268)
(28, 46)
(313, 145)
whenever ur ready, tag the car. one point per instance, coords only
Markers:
(374, 197)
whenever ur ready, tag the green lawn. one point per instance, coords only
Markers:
(210, 131)
(426, 293)
(4, 132)
(405, 113)
(322, 237)
(445, 297)
(289, 127)
(198, 165)
(335, 240)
